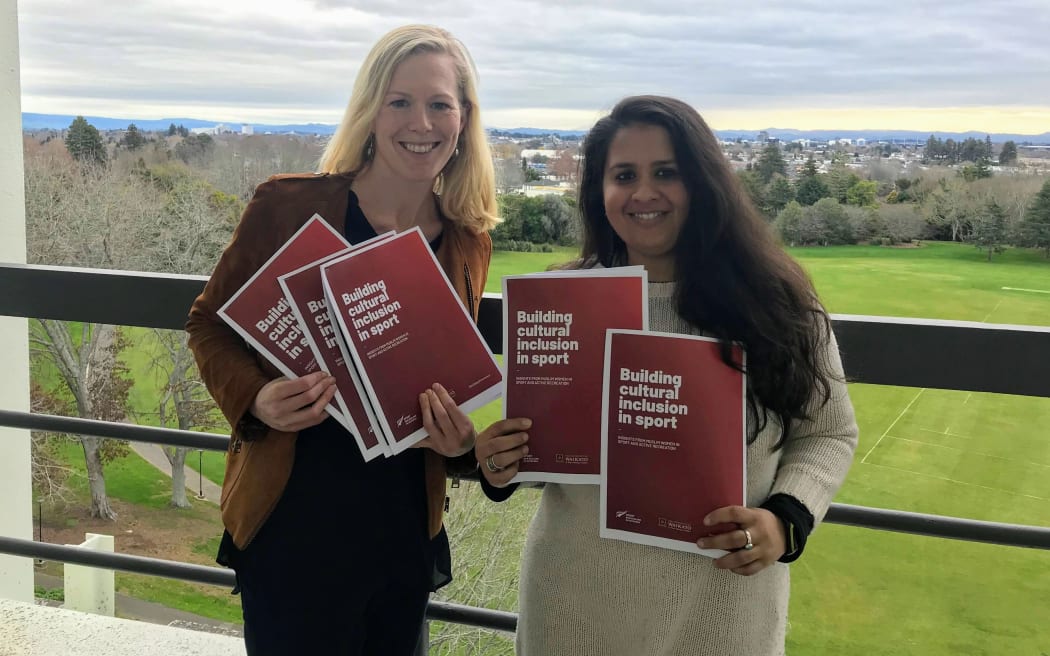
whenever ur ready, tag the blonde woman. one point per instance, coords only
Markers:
(334, 555)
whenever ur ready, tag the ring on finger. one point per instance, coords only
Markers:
(748, 545)
(492, 466)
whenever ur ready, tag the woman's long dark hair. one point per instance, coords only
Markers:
(734, 281)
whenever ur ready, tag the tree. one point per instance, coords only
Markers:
(184, 404)
(777, 195)
(1008, 155)
(949, 207)
(788, 224)
(172, 130)
(904, 190)
(866, 222)
(989, 229)
(1035, 229)
(770, 163)
(809, 170)
(85, 143)
(901, 223)
(753, 186)
(133, 139)
(49, 473)
(839, 179)
(976, 171)
(565, 166)
(560, 219)
(811, 189)
(862, 193)
(87, 362)
(195, 148)
(832, 222)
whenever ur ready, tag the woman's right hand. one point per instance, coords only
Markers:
(500, 447)
(290, 405)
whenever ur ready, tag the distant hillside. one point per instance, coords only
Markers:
(788, 134)
(537, 132)
(32, 121)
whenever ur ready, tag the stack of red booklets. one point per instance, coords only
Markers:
(380, 316)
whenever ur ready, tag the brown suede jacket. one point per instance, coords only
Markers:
(257, 470)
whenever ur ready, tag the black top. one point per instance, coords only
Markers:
(374, 513)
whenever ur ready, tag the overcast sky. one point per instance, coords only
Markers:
(910, 64)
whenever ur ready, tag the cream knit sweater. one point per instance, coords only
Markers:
(581, 595)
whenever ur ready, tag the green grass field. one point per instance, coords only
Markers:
(981, 456)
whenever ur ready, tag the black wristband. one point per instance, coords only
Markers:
(797, 521)
(497, 494)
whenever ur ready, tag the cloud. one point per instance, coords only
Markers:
(299, 57)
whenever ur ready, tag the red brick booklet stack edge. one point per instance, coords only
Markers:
(260, 313)
(305, 292)
(673, 441)
(554, 326)
(405, 329)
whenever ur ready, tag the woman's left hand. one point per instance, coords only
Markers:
(451, 432)
(765, 530)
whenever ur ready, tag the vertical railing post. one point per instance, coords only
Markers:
(16, 509)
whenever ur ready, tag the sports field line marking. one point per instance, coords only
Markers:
(965, 437)
(955, 448)
(985, 319)
(952, 480)
(1022, 289)
(888, 429)
(967, 400)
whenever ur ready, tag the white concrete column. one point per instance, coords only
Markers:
(16, 514)
(90, 589)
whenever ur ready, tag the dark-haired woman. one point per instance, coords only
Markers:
(657, 191)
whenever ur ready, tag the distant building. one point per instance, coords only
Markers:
(247, 129)
(763, 137)
(216, 129)
(529, 153)
(861, 141)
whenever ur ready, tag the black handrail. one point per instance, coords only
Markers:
(436, 610)
(958, 355)
(939, 526)
(114, 430)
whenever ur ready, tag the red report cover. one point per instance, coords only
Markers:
(406, 329)
(554, 327)
(673, 438)
(305, 293)
(260, 313)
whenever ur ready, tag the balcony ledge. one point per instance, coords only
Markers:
(31, 630)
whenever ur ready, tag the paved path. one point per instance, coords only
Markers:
(154, 455)
(147, 611)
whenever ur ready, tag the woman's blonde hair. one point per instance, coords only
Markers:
(467, 185)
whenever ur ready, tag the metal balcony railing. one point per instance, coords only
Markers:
(952, 355)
